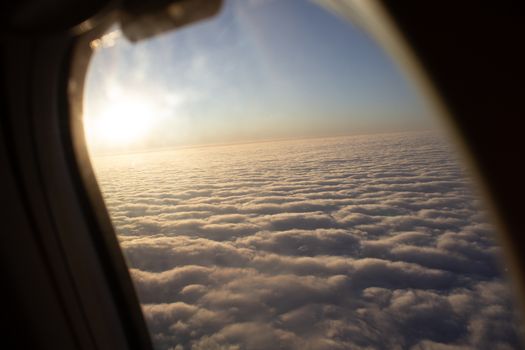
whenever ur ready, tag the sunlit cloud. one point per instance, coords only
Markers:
(343, 243)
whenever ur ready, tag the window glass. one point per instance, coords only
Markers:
(275, 182)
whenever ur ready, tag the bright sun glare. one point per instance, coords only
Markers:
(123, 122)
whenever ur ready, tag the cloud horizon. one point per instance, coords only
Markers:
(375, 241)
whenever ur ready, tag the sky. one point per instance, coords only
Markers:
(259, 70)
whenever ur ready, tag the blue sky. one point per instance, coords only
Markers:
(258, 70)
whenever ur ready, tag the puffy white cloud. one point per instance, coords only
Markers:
(347, 243)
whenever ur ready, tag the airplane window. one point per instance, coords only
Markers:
(276, 182)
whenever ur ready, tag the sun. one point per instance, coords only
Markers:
(121, 122)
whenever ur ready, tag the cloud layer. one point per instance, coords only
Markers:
(372, 242)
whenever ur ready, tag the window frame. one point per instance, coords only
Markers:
(79, 294)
